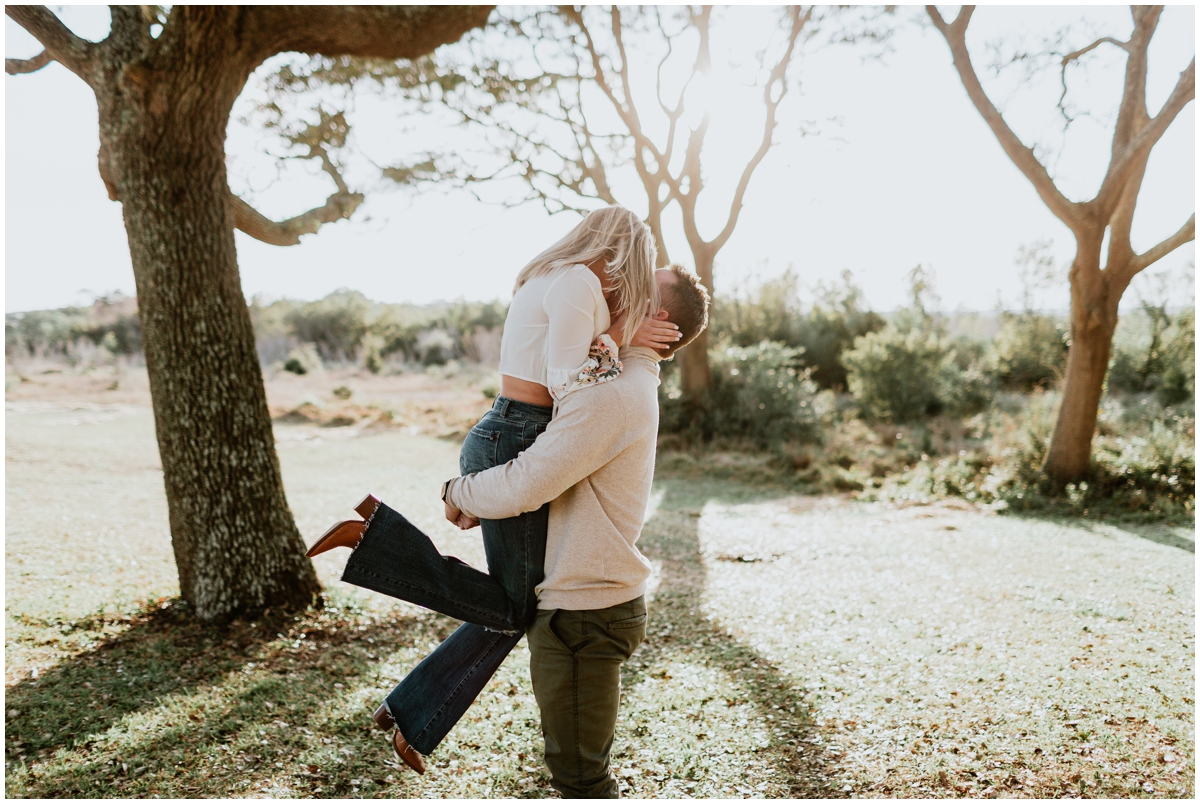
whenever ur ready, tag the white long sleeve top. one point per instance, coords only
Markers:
(552, 322)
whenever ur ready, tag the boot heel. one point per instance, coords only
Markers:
(383, 718)
(366, 508)
(343, 534)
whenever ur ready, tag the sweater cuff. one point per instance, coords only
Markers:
(452, 487)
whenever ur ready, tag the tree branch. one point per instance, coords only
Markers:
(1186, 234)
(1075, 56)
(778, 76)
(63, 46)
(23, 66)
(954, 33)
(386, 32)
(1127, 159)
(287, 233)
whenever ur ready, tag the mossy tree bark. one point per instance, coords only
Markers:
(164, 103)
(1097, 280)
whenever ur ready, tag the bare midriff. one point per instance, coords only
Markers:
(525, 391)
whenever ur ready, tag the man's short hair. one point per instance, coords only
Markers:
(686, 302)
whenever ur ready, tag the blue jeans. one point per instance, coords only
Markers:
(496, 607)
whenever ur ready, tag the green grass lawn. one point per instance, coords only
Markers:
(797, 646)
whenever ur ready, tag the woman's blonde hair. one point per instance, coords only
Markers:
(625, 243)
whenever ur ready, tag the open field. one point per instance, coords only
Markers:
(798, 646)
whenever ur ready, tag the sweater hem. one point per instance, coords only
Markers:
(589, 599)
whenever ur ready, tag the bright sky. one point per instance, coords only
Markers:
(908, 173)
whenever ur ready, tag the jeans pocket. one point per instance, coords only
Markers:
(478, 450)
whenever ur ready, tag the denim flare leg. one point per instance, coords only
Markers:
(496, 607)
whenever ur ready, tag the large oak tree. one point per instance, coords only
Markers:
(1098, 279)
(165, 83)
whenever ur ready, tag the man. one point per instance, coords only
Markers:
(595, 463)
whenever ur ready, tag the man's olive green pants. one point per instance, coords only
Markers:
(575, 663)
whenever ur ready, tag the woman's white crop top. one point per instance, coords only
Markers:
(552, 322)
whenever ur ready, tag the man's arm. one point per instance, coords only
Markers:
(588, 432)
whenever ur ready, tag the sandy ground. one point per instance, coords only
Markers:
(799, 646)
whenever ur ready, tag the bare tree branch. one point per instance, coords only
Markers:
(1023, 157)
(22, 66)
(287, 233)
(778, 77)
(1125, 161)
(1075, 56)
(1186, 234)
(63, 46)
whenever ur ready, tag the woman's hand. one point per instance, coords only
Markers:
(655, 332)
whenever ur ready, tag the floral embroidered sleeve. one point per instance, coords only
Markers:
(602, 365)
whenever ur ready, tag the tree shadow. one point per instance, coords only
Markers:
(678, 627)
(132, 715)
(1164, 533)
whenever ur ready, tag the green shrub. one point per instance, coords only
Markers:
(773, 312)
(964, 392)
(897, 374)
(334, 324)
(303, 360)
(760, 393)
(1154, 351)
(371, 352)
(1178, 382)
(1029, 351)
(111, 322)
(1143, 467)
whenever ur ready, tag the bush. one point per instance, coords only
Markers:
(111, 322)
(347, 327)
(1155, 352)
(1029, 351)
(964, 392)
(761, 393)
(897, 374)
(836, 320)
(773, 313)
(371, 352)
(303, 360)
(1143, 468)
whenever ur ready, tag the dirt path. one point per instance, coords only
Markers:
(798, 646)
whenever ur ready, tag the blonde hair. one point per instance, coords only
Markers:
(625, 243)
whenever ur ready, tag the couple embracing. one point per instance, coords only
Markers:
(557, 475)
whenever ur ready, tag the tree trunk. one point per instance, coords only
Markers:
(695, 372)
(1093, 322)
(162, 141)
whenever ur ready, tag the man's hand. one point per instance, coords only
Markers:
(459, 519)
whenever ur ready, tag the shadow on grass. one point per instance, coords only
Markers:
(172, 708)
(679, 627)
(1166, 533)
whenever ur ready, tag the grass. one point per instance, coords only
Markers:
(797, 646)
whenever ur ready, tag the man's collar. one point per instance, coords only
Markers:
(641, 353)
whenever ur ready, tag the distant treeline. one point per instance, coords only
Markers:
(344, 327)
(901, 365)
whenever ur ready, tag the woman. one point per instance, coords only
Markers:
(559, 337)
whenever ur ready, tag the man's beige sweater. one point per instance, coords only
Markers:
(595, 464)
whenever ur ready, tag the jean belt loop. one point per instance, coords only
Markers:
(501, 405)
